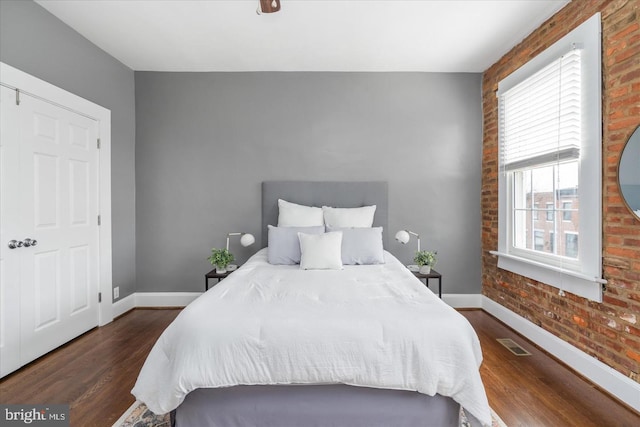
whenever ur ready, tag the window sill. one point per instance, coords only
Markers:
(565, 280)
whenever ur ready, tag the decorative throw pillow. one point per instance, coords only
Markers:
(321, 251)
(284, 245)
(349, 217)
(294, 215)
(361, 246)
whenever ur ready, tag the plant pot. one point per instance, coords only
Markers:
(425, 269)
(221, 270)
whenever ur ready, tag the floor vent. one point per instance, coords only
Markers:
(513, 347)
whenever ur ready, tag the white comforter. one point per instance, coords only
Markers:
(374, 326)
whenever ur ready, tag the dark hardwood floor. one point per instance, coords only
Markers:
(95, 373)
(537, 390)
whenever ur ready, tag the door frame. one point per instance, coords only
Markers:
(27, 84)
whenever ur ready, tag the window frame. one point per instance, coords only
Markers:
(581, 276)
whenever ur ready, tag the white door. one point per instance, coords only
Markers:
(57, 192)
(9, 230)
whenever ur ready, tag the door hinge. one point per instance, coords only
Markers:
(99, 220)
(98, 143)
(17, 96)
(99, 296)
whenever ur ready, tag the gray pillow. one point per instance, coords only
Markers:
(361, 245)
(284, 245)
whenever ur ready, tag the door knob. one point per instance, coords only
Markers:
(13, 244)
(28, 242)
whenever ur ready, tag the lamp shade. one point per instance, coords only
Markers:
(403, 236)
(247, 239)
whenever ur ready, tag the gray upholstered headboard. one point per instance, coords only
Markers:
(337, 194)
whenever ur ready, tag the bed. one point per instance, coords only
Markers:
(275, 345)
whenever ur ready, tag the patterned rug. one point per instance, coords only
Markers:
(139, 416)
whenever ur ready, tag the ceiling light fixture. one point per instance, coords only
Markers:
(268, 6)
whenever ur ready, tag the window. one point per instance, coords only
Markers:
(549, 209)
(550, 156)
(566, 211)
(538, 240)
(571, 244)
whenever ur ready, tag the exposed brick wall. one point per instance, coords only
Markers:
(609, 331)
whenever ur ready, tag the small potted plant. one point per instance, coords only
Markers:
(220, 258)
(426, 260)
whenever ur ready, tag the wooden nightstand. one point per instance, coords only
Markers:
(213, 275)
(433, 275)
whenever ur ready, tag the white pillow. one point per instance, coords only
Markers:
(349, 217)
(321, 251)
(293, 215)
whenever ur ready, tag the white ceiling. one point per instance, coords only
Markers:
(306, 35)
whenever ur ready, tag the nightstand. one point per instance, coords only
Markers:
(433, 275)
(213, 275)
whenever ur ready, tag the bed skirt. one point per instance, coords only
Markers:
(314, 405)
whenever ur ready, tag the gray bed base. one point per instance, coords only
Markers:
(335, 405)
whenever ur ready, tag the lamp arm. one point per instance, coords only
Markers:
(229, 235)
(417, 235)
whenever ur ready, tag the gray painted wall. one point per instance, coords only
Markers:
(205, 142)
(38, 43)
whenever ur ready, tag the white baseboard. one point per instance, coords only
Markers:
(153, 299)
(182, 299)
(463, 300)
(165, 299)
(623, 388)
(123, 305)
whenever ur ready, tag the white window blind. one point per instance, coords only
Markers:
(540, 118)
